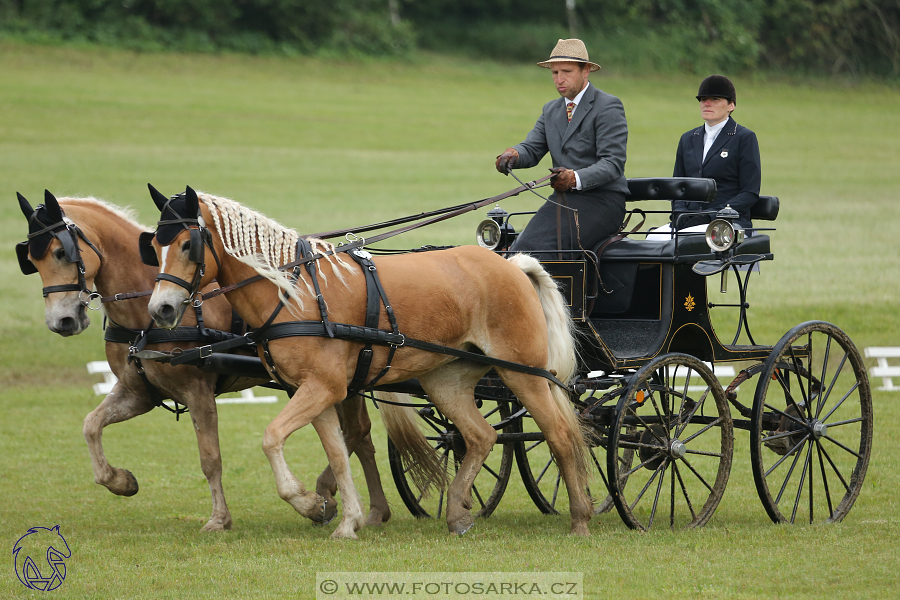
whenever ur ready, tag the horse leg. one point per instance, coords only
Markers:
(329, 429)
(356, 426)
(451, 390)
(379, 510)
(119, 405)
(305, 406)
(563, 437)
(206, 426)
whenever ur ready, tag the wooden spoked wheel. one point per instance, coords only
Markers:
(811, 426)
(491, 481)
(671, 445)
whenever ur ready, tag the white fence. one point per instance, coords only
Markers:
(109, 380)
(884, 370)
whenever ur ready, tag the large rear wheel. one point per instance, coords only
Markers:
(811, 426)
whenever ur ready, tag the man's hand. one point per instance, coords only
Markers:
(507, 160)
(563, 179)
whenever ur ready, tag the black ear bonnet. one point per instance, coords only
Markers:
(176, 214)
(45, 222)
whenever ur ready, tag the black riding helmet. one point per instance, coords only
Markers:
(717, 86)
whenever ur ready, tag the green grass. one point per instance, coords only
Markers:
(322, 145)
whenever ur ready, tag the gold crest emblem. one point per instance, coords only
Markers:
(689, 303)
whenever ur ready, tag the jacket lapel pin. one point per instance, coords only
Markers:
(724, 154)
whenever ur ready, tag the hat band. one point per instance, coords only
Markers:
(575, 58)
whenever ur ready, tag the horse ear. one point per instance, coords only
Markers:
(25, 206)
(53, 209)
(158, 198)
(192, 201)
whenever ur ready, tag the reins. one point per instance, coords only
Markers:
(440, 215)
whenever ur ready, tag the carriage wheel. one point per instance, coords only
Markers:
(491, 481)
(543, 480)
(670, 447)
(811, 426)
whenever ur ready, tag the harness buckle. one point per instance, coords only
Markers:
(401, 344)
(195, 302)
(205, 351)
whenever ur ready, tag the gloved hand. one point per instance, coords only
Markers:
(507, 160)
(563, 179)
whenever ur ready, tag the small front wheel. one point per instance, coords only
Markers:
(491, 481)
(670, 446)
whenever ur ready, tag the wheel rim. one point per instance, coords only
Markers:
(671, 446)
(490, 483)
(811, 426)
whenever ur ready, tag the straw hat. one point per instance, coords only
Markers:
(569, 51)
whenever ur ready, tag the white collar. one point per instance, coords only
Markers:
(713, 132)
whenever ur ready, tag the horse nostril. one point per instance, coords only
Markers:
(167, 312)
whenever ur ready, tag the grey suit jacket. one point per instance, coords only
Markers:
(593, 144)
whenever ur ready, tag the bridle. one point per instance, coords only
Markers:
(68, 233)
(200, 239)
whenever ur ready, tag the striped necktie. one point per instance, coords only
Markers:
(570, 108)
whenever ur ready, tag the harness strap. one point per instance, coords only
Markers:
(375, 297)
(354, 333)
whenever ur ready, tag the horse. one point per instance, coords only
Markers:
(467, 301)
(95, 243)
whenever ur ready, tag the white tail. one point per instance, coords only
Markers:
(561, 355)
(402, 424)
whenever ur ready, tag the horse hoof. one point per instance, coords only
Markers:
(377, 518)
(217, 525)
(328, 513)
(580, 530)
(123, 484)
(461, 528)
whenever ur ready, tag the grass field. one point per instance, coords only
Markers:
(323, 145)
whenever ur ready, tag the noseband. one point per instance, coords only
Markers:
(68, 233)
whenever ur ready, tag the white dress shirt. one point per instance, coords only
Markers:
(711, 134)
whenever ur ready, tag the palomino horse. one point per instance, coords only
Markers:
(462, 299)
(93, 243)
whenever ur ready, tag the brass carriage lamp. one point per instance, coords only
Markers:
(721, 233)
(722, 236)
(495, 231)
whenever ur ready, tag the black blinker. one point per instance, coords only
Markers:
(25, 263)
(196, 252)
(69, 244)
(148, 254)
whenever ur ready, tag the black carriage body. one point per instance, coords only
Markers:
(643, 298)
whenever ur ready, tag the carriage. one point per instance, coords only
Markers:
(659, 424)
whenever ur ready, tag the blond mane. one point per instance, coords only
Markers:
(264, 245)
(126, 214)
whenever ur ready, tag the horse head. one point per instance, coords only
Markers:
(53, 249)
(178, 247)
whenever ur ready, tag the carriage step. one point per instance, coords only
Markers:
(109, 380)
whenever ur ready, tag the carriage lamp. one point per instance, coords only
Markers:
(721, 234)
(493, 232)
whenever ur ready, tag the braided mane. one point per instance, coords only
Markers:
(265, 245)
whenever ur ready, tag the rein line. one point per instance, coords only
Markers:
(441, 215)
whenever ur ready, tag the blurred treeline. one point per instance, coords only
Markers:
(856, 38)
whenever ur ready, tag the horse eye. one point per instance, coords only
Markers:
(185, 247)
(59, 253)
